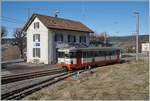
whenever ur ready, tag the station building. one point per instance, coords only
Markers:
(46, 34)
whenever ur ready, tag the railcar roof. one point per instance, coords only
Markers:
(89, 49)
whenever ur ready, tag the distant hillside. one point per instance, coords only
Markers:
(7, 40)
(128, 41)
(129, 38)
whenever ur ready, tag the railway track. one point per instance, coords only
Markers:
(19, 77)
(27, 90)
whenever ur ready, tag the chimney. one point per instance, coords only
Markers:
(56, 13)
(56, 16)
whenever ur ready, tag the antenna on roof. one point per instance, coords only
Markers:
(56, 13)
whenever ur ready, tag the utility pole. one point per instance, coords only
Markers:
(105, 39)
(137, 34)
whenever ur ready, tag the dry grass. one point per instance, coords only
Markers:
(10, 53)
(127, 81)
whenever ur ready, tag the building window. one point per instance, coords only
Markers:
(68, 38)
(36, 52)
(74, 38)
(36, 37)
(58, 38)
(36, 25)
(71, 38)
(82, 39)
(61, 54)
(37, 44)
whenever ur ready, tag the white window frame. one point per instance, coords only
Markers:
(36, 37)
(36, 25)
(36, 52)
(71, 38)
(82, 39)
(59, 37)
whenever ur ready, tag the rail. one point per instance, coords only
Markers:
(22, 92)
(19, 77)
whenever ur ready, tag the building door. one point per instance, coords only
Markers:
(79, 56)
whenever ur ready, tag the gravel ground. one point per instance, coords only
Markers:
(16, 85)
(19, 68)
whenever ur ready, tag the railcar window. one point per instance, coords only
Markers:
(84, 54)
(114, 52)
(103, 53)
(67, 55)
(110, 53)
(91, 54)
(61, 54)
(72, 54)
(106, 53)
(96, 54)
(88, 54)
(119, 51)
(100, 53)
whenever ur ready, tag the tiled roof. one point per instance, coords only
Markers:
(60, 23)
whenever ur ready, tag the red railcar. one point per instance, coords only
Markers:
(77, 58)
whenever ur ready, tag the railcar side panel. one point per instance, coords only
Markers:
(81, 61)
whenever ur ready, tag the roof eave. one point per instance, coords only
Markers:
(35, 15)
(70, 30)
(28, 23)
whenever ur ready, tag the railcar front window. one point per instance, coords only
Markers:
(67, 55)
(72, 54)
(61, 54)
(84, 54)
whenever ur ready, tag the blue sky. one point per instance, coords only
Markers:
(115, 18)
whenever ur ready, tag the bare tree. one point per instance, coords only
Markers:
(20, 40)
(3, 31)
(103, 37)
(93, 36)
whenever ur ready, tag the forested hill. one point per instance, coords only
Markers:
(128, 38)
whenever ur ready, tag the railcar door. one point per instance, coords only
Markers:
(79, 56)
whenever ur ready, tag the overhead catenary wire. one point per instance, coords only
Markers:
(14, 28)
(13, 19)
(84, 10)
